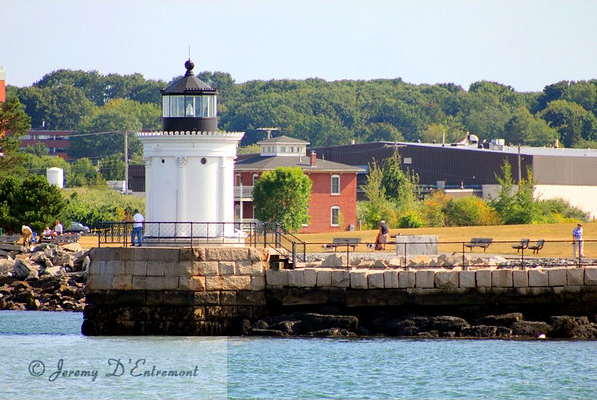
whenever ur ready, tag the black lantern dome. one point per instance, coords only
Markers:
(189, 104)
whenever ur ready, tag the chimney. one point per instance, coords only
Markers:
(313, 158)
(2, 85)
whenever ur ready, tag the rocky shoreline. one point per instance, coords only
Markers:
(45, 277)
(506, 326)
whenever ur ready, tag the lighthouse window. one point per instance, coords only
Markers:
(189, 107)
(166, 106)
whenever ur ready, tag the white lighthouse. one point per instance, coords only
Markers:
(189, 166)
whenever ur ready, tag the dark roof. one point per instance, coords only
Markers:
(255, 162)
(189, 83)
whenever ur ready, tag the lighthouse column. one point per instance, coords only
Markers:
(181, 196)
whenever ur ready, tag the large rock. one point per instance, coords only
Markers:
(6, 266)
(334, 260)
(505, 320)
(531, 329)
(332, 332)
(25, 269)
(568, 327)
(480, 331)
(318, 322)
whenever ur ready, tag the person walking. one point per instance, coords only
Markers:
(383, 234)
(137, 228)
(577, 241)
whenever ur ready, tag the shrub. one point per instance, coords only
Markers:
(433, 209)
(470, 211)
(410, 220)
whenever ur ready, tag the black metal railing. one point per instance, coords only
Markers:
(191, 234)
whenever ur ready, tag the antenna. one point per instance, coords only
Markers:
(269, 131)
(189, 52)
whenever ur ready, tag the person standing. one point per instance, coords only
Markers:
(383, 234)
(577, 241)
(137, 228)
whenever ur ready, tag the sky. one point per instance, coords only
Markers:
(525, 44)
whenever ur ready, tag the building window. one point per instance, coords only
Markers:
(335, 220)
(255, 177)
(237, 180)
(335, 185)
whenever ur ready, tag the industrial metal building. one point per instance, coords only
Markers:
(471, 168)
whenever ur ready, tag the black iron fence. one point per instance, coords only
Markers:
(192, 234)
(272, 235)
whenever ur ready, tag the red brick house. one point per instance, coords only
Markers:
(333, 205)
(57, 142)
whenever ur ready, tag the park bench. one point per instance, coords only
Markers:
(524, 243)
(352, 242)
(537, 246)
(479, 242)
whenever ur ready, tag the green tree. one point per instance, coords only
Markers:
(14, 123)
(524, 128)
(150, 115)
(92, 83)
(38, 149)
(103, 134)
(92, 205)
(83, 173)
(283, 196)
(515, 205)
(55, 108)
(112, 168)
(377, 207)
(400, 187)
(571, 120)
(33, 202)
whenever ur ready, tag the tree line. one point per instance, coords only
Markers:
(321, 112)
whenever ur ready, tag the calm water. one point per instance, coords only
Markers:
(44, 356)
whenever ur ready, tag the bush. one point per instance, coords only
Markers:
(33, 202)
(410, 220)
(93, 205)
(559, 210)
(433, 209)
(470, 211)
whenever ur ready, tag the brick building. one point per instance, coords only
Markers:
(57, 142)
(2, 85)
(333, 204)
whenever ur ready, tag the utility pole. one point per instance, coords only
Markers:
(519, 177)
(126, 162)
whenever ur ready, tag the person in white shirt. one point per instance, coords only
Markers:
(58, 228)
(137, 228)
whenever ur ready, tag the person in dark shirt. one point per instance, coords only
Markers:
(383, 234)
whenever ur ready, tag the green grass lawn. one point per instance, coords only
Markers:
(558, 238)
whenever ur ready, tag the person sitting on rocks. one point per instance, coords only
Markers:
(26, 235)
(48, 234)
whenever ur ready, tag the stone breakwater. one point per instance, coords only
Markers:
(234, 291)
(45, 277)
